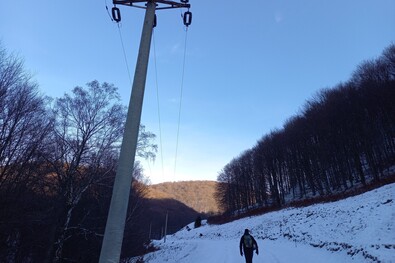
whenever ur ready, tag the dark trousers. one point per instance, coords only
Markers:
(248, 253)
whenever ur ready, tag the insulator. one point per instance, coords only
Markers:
(116, 14)
(187, 18)
(154, 24)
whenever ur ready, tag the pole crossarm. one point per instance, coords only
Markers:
(160, 4)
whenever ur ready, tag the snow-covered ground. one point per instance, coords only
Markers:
(356, 229)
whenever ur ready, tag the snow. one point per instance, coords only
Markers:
(356, 229)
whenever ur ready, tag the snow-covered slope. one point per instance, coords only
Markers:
(356, 229)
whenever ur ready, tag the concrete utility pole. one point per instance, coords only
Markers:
(167, 217)
(113, 235)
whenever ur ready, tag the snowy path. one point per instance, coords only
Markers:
(226, 251)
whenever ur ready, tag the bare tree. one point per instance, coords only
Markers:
(84, 149)
(24, 124)
(24, 121)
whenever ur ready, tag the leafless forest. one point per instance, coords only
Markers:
(342, 138)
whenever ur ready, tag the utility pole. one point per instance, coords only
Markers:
(167, 217)
(150, 229)
(113, 235)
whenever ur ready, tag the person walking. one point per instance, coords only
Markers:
(248, 245)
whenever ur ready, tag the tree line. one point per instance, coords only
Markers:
(57, 166)
(344, 136)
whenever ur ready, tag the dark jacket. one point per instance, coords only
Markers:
(246, 249)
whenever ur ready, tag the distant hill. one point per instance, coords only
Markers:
(198, 195)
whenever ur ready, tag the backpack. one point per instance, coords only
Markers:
(247, 241)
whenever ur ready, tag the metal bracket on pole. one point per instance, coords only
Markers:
(160, 4)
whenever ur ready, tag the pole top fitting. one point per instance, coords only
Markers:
(160, 4)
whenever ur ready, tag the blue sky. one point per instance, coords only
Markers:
(249, 65)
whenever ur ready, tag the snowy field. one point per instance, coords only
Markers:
(356, 229)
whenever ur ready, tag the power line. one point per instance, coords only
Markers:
(124, 53)
(121, 39)
(180, 105)
(157, 100)
(108, 12)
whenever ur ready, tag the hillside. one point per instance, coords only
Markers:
(356, 229)
(198, 195)
(155, 212)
